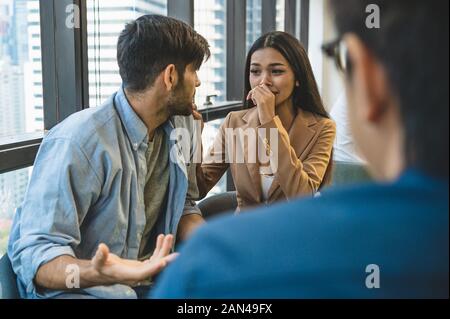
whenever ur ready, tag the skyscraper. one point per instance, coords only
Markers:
(210, 22)
(13, 106)
(19, 27)
(33, 70)
(254, 11)
(12, 121)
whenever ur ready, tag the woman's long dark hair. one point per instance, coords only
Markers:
(306, 96)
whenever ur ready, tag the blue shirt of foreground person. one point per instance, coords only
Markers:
(386, 240)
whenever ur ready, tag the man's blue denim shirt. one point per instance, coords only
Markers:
(87, 188)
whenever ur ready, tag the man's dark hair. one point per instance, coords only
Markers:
(412, 45)
(150, 43)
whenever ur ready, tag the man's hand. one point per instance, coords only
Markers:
(106, 268)
(114, 269)
(197, 116)
(264, 99)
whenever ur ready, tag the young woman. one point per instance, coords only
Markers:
(292, 130)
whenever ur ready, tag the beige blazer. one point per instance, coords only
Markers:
(303, 157)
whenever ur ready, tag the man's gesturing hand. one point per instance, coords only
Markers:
(115, 270)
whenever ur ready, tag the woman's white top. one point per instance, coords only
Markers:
(266, 181)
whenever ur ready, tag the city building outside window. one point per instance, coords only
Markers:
(279, 18)
(21, 103)
(210, 22)
(254, 11)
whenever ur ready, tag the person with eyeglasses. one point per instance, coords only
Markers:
(387, 239)
(281, 143)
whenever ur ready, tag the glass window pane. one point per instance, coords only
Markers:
(106, 19)
(210, 22)
(280, 15)
(12, 190)
(254, 11)
(209, 133)
(21, 103)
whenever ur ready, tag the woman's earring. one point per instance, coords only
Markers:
(297, 84)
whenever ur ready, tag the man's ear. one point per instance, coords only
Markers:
(369, 77)
(170, 77)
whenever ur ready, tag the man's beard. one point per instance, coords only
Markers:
(179, 103)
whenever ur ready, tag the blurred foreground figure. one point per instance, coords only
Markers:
(385, 240)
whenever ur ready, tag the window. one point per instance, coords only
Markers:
(254, 11)
(254, 19)
(210, 21)
(106, 19)
(210, 131)
(12, 190)
(21, 95)
(280, 16)
(20, 68)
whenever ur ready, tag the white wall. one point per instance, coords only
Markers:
(316, 31)
(321, 29)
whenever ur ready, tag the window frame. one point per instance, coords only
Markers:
(19, 151)
(268, 15)
(302, 12)
(62, 67)
(236, 48)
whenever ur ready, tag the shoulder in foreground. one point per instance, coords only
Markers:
(243, 238)
(351, 198)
